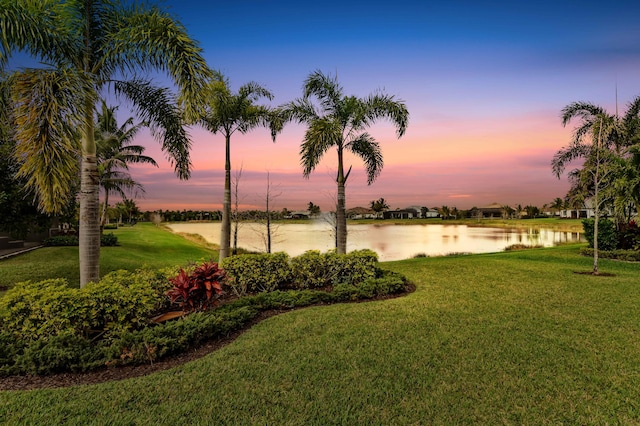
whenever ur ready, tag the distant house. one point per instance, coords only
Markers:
(494, 210)
(408, 213)
(425, 212)
(361, 213)
(585, 212)
(302, 214)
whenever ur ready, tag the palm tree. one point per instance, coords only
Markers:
(314, 209)
(557, 204)
(93, 45)
(445, 212)
(340, 121)
(228, 113)
(380, 205)
(604, 137)
(115, 152)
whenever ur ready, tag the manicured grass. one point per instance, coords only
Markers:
(507, 338)
(143, 244)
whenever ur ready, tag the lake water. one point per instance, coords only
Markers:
(391, 242)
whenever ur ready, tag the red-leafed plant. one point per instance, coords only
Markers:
(199, 289)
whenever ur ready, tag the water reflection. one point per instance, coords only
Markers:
(391, 242)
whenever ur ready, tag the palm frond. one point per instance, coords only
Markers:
(325, 88)
(148, 38)
(47, 116)
(583, 110)
(386, 106)
(321, 135)
(368, 149)
(36, 27)
(566, 155)
(156, 107)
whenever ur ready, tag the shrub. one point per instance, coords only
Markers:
(607, 235)
(312, 270)
(252, 273)
(61, 240)
(110, 226)
(355, 267)
(629, 236)
(122, 300)
(106, 240)
(199, 289)
(625, 255)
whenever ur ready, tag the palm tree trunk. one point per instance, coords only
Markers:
(89, 233)
(341, 219)
(225, 231)
(103, 216)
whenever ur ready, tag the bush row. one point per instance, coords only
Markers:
(122, 300)
(626, 236)
(106, 240)
(71, 350)
(253, 273)
(626, 255)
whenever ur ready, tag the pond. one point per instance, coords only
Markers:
(391, 242)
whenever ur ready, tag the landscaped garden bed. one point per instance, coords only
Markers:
(50, 328)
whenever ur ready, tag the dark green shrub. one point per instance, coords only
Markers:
(122, 300)
(355, 267)
(61, 353)
(629, 236)
(313, 269)
(625, 255)
(61, 240)
(253, 273)
(110, 226)
(106, 240)
(607, 234)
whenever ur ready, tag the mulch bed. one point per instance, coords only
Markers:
(129, 371)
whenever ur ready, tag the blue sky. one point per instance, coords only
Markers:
(484, 82)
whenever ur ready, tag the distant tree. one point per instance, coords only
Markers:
(532, 211)
(445, 212)
(314, 210)
(519, 210)
(380, 205)
(556, 205)
(341, 121)
(507, 211)
(229, 113)
(114, 153)
(455, 213)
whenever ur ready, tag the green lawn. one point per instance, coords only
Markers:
(507, 338)
(143, 244)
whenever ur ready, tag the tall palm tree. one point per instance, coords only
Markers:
(597, 138)
(92, 45)
(115, 152)
(229, 113)
(340, 121)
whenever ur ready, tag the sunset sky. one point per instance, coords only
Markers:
(484, 83)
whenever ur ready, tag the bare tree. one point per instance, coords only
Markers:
(269, 231)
